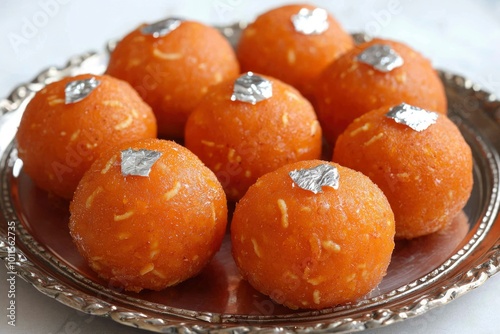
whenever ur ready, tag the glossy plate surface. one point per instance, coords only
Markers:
(424, 273)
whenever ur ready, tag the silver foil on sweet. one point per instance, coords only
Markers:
(161, 28)
(138, 162)
(313, 179)
(251, 88)
(310, 22)
(381, 57)
(79, 89)
(416, 118)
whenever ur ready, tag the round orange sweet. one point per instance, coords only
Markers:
(272, 46)
(171, 73)
(148, 232)
(240, 141)
(58, 142)
(426, 176)
(308, 250)
(348, 88)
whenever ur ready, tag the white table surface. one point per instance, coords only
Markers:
(460, 36)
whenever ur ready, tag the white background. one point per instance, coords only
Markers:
(460, 36)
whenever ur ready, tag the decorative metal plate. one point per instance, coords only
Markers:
(424, 273)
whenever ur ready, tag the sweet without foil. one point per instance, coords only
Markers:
(79, 89)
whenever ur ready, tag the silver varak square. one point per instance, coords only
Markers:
(313, 179)
(138, 162)
(381, 57)
(252, 88)
(79, 89)
(416, 118)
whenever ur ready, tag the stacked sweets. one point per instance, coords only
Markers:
(149, 213)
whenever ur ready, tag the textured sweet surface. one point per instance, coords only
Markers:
(173, 72)
(426, 175)
(58, 142)
(148, 232)
(240, 141)
(348, 88)
(297, 59)
(308, 250)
